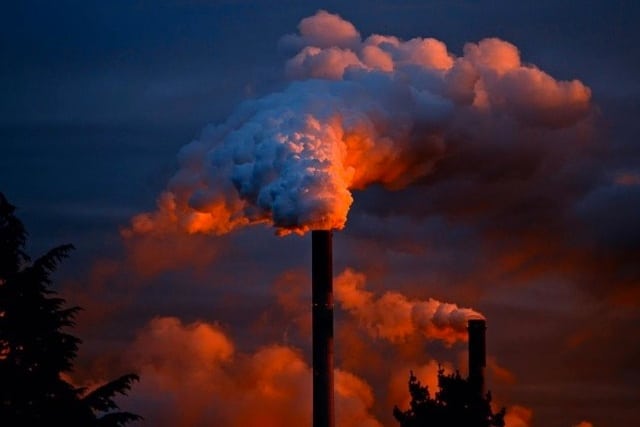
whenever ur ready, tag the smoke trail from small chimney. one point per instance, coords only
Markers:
(394, 317)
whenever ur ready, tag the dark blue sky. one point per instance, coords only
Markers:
(98, 97)
(190, 62)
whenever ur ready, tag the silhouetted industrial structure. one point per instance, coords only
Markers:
(322, 329)
(477, 354)
(458, 401)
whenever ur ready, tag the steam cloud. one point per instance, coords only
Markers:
(394, 317)
(378, 110)
(358, 112)
(207, 382)
(518, 416)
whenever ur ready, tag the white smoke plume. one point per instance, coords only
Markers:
(379, 110)
(395, 317)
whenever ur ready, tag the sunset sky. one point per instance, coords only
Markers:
(474, 157)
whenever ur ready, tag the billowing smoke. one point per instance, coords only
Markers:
(358, 112)
(518, 416)
(395, 317)
(192, 375)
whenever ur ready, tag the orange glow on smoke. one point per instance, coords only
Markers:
(427, 375)
(355, 142)
(209, 383)
(518, 416)
(395, 317)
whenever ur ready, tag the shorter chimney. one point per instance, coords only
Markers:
(477, 354)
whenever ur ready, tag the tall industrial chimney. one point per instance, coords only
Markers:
(322, 320)
(477, 354)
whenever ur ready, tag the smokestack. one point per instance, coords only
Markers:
(477, 354)
(322, 320)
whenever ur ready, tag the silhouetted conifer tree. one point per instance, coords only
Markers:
(34, 347)
(456, 404)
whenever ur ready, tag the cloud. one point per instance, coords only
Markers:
(482, 145)
(313, 62)
(518, 416)
(398, 390)
(394, 317)
(323, 30)
(494, 211)
(383, 111)
(192, 375)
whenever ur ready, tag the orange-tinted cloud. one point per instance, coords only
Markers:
(518, 416)
(192, 375)
(398, 390)
(383, 111)
(151, 254)
(499, 373)
(394, 317)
